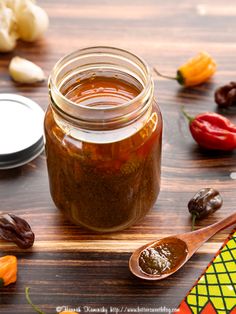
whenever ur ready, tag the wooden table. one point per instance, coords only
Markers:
(68, 265)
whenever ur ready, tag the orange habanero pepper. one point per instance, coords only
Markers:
(8, 270)
(195, 71)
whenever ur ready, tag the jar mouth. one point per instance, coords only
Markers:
(98, 57)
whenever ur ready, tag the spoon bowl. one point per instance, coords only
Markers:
(190, 243)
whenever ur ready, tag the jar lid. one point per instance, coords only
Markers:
(21, 130)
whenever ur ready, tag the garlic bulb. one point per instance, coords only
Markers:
(8, 35)
(20, 19)
(32, 20)
(25, 71)
(13, 4)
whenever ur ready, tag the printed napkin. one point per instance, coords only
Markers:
(215, 290)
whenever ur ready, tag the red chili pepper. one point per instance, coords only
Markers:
(213, 131)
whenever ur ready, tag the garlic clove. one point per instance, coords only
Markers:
(25, 71)
(32, 21)
(7, 42)
(8, 35)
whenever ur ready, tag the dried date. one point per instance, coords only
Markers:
(17, 230)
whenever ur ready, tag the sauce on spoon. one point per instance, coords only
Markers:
(163, 257)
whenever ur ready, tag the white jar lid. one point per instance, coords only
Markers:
(21, 130)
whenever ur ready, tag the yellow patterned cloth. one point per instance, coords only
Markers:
(215, 291)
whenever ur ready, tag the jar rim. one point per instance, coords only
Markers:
(109, 49)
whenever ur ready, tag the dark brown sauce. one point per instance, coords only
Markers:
(110, 186)
(164, 257)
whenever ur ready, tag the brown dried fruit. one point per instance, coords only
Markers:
(17, 230)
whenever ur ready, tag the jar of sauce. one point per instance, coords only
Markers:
(103, 133)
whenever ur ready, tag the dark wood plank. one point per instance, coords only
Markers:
(92, 279)
(69, 265)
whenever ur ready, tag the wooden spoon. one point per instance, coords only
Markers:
(189, 242)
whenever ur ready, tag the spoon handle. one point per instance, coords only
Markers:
(196, 238)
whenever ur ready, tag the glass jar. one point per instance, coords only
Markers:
(103, 133)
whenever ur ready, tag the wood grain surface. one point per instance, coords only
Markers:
(73, 267)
